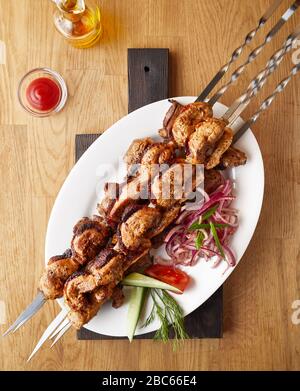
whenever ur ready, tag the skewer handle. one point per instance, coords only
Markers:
(266, 103)
(237, 52)
(252, 56)
(259, 80)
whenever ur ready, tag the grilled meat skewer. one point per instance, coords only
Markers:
(90, 235)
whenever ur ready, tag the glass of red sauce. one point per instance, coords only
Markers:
(42, 92)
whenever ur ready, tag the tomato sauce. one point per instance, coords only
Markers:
(43, 94)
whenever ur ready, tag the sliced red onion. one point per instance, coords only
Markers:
(180, 242)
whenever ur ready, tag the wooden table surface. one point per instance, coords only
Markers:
(37, 154)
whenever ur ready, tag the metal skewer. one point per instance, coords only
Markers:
(49, 330)
(252, 56)
(237, 52)
(258, 82)
(28, 313)
(266, 103)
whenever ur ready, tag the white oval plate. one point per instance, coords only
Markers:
(78, 197)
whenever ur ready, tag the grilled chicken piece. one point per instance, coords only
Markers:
(202, 142)
(191, 115)
(135, 229)
(58, 270)
(159, 153)
(84, 306)
(131, 193)
(170, 117)
(103, 270)
(212, 180)
(137, 150)
(90, 235)
(167, 217)
(222, 145)
(138, 188)
(233, 157)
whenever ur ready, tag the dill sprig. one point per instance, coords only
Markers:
(169, 314)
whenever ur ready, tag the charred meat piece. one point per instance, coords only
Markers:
(84, 306)
(103, 270)
(202, 142)
(111, 193)
(58, 270)
(159, 153)
(192, 115)
(134, 230)
(117, 297)
(137, 150)
(233, 157)
(222, 145)
(167, 217)
(170, 117)
(212, 180)
(130, 194)
(90, 235)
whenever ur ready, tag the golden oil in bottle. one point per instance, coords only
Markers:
(79, 21)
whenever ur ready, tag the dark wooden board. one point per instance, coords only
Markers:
(148, 82)
(148, 76)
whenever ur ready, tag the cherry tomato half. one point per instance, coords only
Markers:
(169, 275)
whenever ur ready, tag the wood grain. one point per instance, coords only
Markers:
(37, 154)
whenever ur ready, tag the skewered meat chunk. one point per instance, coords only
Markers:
(170, 117)
(233, 157)
(85, 305)
(137, 150)
(159, 153)
(222, 145)
(105, 269)
(176, 184)
(212, 180)
(192, 115)
(202, 142)
(58, 270)
(130, 194)
(167, 217)
(134, 230)
(89, 236)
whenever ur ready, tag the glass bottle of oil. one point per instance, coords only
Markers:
(79, 21)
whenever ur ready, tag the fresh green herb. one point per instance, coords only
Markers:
(199, 240)
(216, 238)
(169, 314)
(209, 212)
(195, 226)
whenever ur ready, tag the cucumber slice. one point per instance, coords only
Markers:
(136, 301)
(137, 279)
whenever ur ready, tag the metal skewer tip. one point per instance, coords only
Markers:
(49, 330)
(61, 333)
(28, 313)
